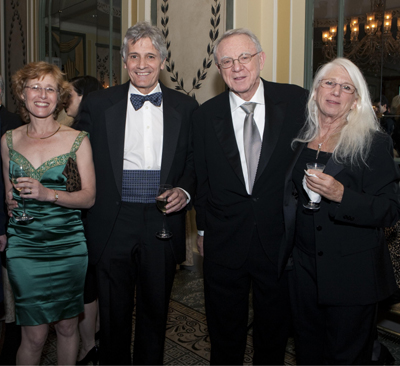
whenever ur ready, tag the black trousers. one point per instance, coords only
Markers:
(324, 334)
(227, 305)
(135, 259)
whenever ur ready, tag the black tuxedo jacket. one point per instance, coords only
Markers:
(353, 262)
(225, 211)
(103, 116)
(8, 121)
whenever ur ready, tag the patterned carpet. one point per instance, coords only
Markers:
(187, 341)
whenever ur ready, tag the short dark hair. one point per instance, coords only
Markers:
(383, 100)
(83, 85)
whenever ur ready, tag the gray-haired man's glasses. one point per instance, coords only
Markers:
(244, 58)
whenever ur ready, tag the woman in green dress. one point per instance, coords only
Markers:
(47, 255)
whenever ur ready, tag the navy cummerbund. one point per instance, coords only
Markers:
(140, 186)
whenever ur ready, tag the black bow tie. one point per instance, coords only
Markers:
(138, 100)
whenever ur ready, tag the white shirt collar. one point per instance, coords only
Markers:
(258, 98)
(133, 90)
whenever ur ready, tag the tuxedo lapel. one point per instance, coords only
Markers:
(223, 126)
(172, 125)
(274, 116)
(332, 168)
(115, 117)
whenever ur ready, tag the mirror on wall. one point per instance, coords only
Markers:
(83, 37)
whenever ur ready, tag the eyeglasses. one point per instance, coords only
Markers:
(38, 89)
(330, 84)
(243, 59)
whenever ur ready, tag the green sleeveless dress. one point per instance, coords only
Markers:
(47, 257)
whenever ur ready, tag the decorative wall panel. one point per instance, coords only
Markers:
(191, 32)
(15, 16)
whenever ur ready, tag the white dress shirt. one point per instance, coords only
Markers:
(143, 134)
(238, 116)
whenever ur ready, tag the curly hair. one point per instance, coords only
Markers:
(38, 70)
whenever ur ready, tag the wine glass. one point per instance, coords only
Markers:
(311, 205)
(161, 203)
(19, 172)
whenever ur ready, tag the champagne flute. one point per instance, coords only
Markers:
(19, 172)
(319, 167)
(161, 203)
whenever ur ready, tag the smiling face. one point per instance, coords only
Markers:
(334, 104)
(73, 103)
(242, 79)
(144, 65)
(41, 104)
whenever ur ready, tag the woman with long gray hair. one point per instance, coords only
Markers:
(341, 191)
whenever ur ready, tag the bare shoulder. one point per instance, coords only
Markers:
(67, 135)
(17, 133)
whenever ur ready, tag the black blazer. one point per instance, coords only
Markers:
(8, 121)
(353, 262)
(225, 211)
(103, 116)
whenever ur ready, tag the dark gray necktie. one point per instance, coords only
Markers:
(252, 142)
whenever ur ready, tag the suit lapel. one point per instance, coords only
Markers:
(115, 117)
(332, 168)
(274, 116)
(223, 126)
(171, 128)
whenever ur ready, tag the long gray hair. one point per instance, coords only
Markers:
(144, 30)
(356, 135)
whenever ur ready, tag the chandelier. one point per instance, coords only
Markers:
(374, 45)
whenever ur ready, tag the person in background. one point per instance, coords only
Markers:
(395, 110)
(141, 136)
(341, 262)
(12, 340)
(241, 150)
(383, 111)
(88, 322)
(46, 267)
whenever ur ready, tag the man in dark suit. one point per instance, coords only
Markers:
(141, 138)
(8, 121)
(242, 148)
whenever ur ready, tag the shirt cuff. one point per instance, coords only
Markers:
(200, 232)
(187, 194)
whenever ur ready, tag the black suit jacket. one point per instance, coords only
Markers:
(8, 121)
(353, 262)
(103, 116)
(225, 211)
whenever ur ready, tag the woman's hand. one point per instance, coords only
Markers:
(32, 188)
(325, 185)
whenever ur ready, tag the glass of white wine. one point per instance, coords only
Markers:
(319, 167)
(161, 203)
(19, 172)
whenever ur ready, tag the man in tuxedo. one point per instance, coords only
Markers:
(242, 147)
(141, 138)
(8, 121)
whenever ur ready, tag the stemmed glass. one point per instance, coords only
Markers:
(19, 172)
(319, 167)
(161, 203)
